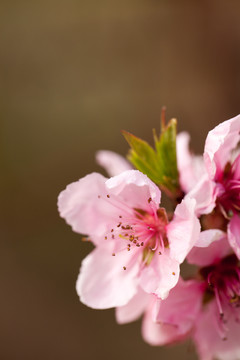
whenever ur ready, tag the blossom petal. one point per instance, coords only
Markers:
(234, 234)
(103, 283)
(210, 248)
(135, 189)
(205, 194)
(171, 320)
(134, 308)
(161, 275)
(207, 237)
(158, 334)
(93, 204)
(112, 162)
(219, 144)
(183, 231)
(190, 167)
(83, 205)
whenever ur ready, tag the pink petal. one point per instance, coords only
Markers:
(81, 208)
(93, 204)
(236, 165)
(134, 308)
(183, 231)
(234, 234)
(135, 189)
(190, 167)
(112, 162)
(205, 194)
(219, 144)
(103, 283)
(207, 237)
(160, 276)
(159, 334)
(211, 247)
(172, 319)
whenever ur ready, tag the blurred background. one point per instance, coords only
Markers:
(73, 74)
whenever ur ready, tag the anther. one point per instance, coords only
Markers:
(105, 237)
(112, 230)
(149, 200)
(113, 236)
(108, 196)
(173, 273)
(124, 268)
(113, 254)
(142, 243)
(99, 196)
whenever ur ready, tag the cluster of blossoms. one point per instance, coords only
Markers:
(139, 245)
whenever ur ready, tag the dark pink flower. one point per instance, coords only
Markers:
(219, 187)
(206, 309)
(217, 330)
(217, 327)
(165, 321)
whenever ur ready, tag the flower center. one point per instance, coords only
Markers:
(229, 185)
(223, 282)
(139, 230)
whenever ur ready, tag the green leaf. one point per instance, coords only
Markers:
(167, 157)
(142, 156)
(160, 165)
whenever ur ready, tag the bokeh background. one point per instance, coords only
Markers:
(73, 74)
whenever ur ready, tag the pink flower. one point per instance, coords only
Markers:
(206, 309)
(165, 321)
(135, 244)
(217, 328)
(219, 187)
(172, 320)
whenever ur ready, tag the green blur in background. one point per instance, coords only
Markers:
(73, 75)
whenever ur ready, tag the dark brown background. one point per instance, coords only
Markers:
(73, 74)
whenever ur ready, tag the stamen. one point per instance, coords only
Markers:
(138, 224)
